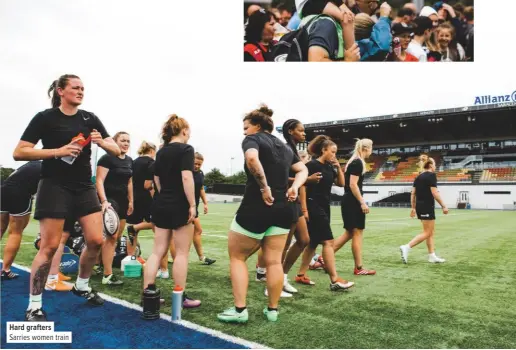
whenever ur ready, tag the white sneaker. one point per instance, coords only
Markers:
(404, 253)
(287, 287)
(162, 274)
(283, 294)
(435, 259)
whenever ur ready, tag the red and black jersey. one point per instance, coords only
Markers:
(256, 52)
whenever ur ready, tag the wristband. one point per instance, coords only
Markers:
(263, 189)
(55, 153)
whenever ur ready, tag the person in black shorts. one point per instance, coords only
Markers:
(65, 188)
(114, 184)
(327, 168)
(173, 210)
(199, 194)
(143, 191)
(353, 206)
(265, 215)
(423, 197)
(294, 133)
(15, 208)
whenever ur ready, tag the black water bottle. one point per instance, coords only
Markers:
(151, 302)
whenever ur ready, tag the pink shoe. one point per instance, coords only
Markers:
(190, 303)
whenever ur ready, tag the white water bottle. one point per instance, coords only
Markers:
(177, 303)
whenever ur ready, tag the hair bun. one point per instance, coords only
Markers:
(266, 110)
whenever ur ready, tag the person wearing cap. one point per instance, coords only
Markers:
(259, 35)
(404, 33)
(422, 32)
(431, 13)
(431, 45)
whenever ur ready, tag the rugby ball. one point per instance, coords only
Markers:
(111, 221)
(37, 241)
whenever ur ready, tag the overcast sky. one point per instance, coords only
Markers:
(142, 60)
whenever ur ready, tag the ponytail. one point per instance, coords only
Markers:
(319, 144)
(59, 83)
(361, 145)
(428, 163)
(173, 127)
(145, 148)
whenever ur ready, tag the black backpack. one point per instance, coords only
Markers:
(293, 46)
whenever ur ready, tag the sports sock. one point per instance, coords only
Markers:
(202, 258)
(82, 284)
(285, 277)
(240, 309)
(261, 270)
(272, 308)
(35, 302)
(52, 278)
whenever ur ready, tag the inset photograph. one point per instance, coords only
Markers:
(358, 31)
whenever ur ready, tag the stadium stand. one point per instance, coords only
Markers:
(471, 146)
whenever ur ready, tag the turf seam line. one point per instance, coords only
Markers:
(184, 323)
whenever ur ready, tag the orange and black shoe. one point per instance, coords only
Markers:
(303, 279)
(363, 271)
(63, 277)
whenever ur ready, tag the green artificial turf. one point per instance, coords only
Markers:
(467, 302)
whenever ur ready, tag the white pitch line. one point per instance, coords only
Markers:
(184, 323)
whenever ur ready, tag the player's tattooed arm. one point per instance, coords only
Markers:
(255, 167)
(40, 278)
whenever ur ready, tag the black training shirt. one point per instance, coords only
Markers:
(323, 33)
(354, 168)
(423, 185)
(199, 182)
(171, 160)
(26, 178)
(276, 159)
(142, 170)
(117, 179)
(320, 192)
(55, 130)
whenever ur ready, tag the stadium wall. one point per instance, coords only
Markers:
(500, 196)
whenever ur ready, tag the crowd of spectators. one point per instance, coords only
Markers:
(362, 30)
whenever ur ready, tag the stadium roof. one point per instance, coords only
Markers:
(472, 123)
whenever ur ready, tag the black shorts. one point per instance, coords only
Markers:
(169, 216)
(120, 204)
(319, 228)
(425, 211)
(141, 210)
(352, 214)
(258, 217)
(15, 202)
(59, 202)
(314, 7)
(296, 211)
